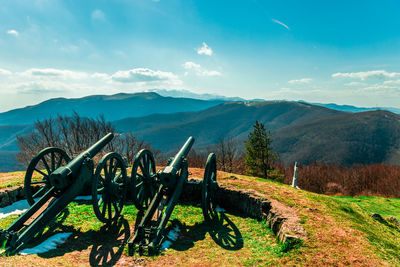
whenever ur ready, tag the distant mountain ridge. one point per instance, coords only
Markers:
(354, 109)
(301, 131)
(113, 107)
(232, 118)
(366, 137)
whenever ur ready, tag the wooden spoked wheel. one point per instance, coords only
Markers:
(109, 187)
(143, 179)
(39, 170)
(209, 189)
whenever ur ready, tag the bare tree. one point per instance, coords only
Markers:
(75, 134)
(227, 153)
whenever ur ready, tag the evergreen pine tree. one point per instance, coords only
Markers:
(259, 157)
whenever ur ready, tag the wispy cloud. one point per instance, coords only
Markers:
(55, 73)
(281, 23)
(303, 80)
(5, 72)
(13, 32)
(363, 75)
(199, 71)
(142, 75)
(350, 84)
(97, 14)
(392, 82)
(205, 50)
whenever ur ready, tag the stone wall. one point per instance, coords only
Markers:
(282, 219)
(11, 195)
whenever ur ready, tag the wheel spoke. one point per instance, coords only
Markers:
(46, 166)
(142, 169)
(114, 170)
(105, 172)
(116, 177)
(140, 191)
(103, 211)
(139, 175)
(139, 184)
(100, 201)
(150, 164)
(43, 189)
(111, 166)
(59, 162)
(141, 200)
(42, 173)
(145, 161)
(53, 161)
(109, 209)
(115, 206)
(39, 182)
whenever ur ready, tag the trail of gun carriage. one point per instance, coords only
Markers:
(114, 212)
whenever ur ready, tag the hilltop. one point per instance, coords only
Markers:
(227, 119)
(300, 131)
(113, 107)
(366, 137)
(340, 231)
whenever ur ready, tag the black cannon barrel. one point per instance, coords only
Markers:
(169, 175)
(75, 164)
(61, 177)
(183, 152)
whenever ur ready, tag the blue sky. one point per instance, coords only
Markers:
(347, 52)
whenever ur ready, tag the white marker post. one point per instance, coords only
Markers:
(294, 181)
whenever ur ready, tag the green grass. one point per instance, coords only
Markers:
(340, 232)
(238, 240)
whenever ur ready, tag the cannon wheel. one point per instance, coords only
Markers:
(39, 170)
(109, 187)
(209, 189)
(143, 179)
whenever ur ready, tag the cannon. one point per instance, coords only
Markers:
(155, 195)
(53, 180)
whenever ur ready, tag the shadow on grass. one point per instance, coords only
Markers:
(222, 230)
(107, 250)
(108, 242)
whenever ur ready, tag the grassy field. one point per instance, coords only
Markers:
(340, 231)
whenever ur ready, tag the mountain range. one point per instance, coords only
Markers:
(300, 131)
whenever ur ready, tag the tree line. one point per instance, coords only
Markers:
(75, 134)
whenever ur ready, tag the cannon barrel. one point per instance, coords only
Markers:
(183, 152)
(59, 178)
(169, 175)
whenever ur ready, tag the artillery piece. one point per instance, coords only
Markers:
(60, 180)
(155, 194)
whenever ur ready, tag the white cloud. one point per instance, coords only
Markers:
(98, 75)
(354, 84)
(97, 14)
(5, 72)
(382, 90)
(13, 32)
(191, 65)
(41, 87)
(143, 75)
(375, 74)
(303, 80)
(205, 50)
(281, 23)
(199, 71)
(54, 73)
(392, 82)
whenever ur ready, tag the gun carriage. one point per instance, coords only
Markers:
(155, 194)
(60, 180)
(53, 180)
